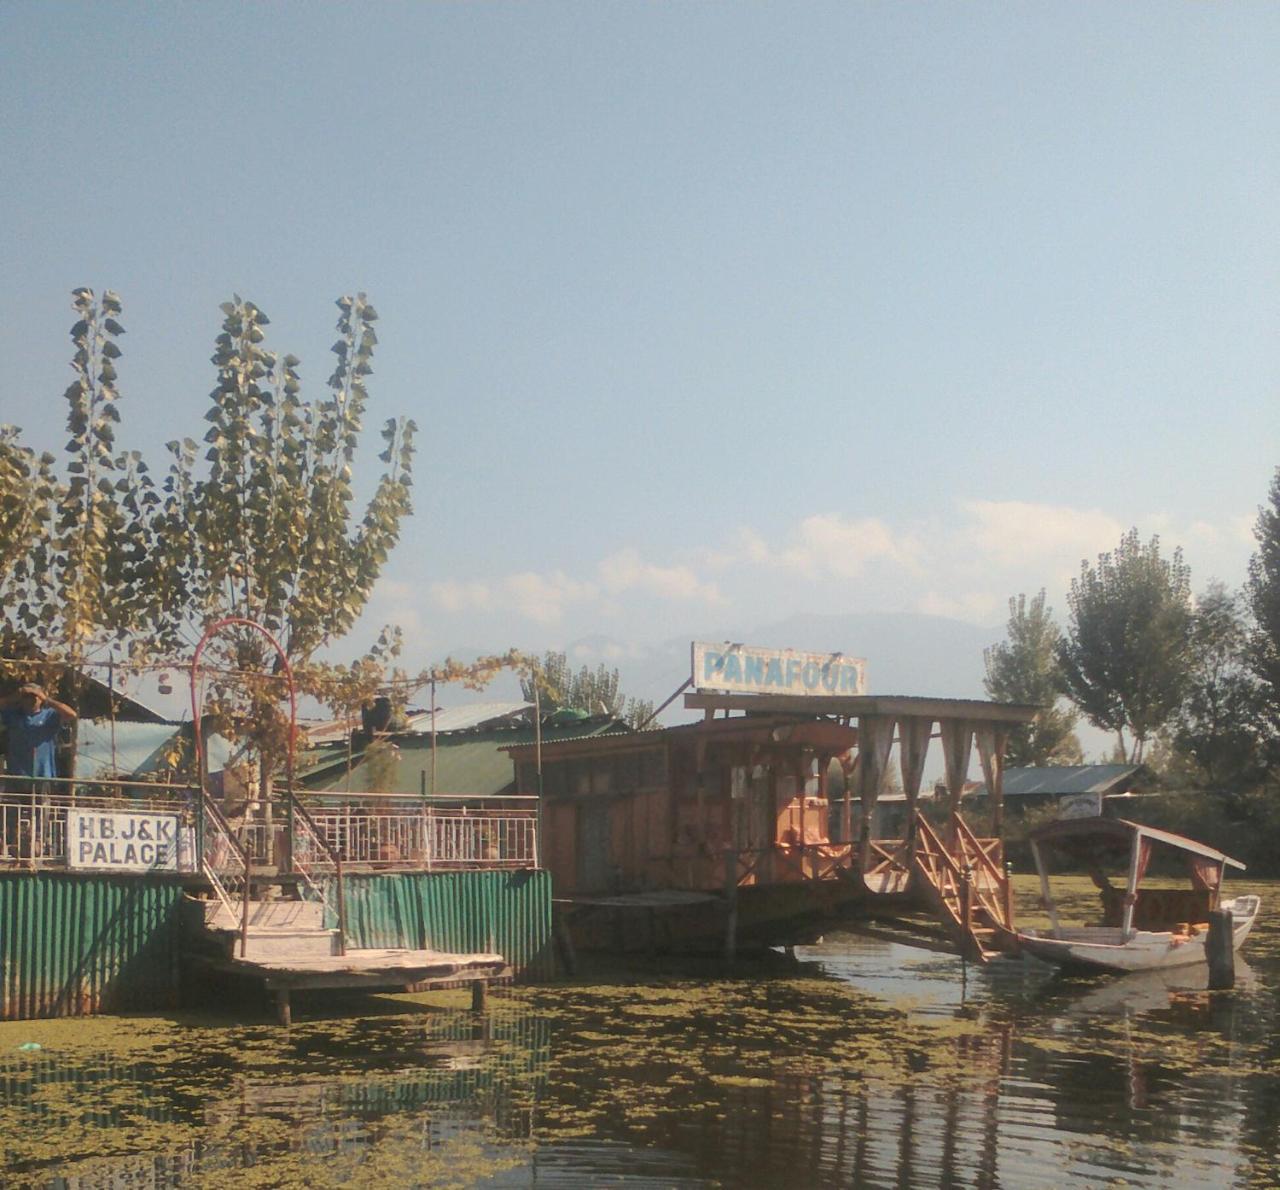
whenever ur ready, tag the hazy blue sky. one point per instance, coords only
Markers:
(709, 313)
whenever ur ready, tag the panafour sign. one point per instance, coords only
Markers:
(744, 669)
(116, 841)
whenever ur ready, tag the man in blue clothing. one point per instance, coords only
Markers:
(31, 720)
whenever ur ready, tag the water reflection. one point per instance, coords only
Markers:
(863, 1063)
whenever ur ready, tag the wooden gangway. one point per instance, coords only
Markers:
(959, 877)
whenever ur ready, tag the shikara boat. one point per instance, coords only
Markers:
(1140, 929)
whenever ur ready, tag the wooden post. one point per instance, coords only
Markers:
(564, 942)
(479, 995)
(731, 899)
(1046, 895)
(283, 1013)
(1219, 949)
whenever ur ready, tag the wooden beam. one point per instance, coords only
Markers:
(865, 704)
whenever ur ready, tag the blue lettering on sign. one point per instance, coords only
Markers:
(848, 679)
(830, 677)
(809, 675)
(732, 668)
(753, 670)
(793, 670)
(773, 677)
(712, 665)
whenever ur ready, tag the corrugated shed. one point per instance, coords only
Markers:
(1061, 780)
(71, 945)
(466, 762)
(138, 748)
(469, 912)
(477, 714)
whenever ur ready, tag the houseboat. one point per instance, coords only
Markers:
(752, 826)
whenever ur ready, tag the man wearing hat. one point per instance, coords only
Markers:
(31, 720)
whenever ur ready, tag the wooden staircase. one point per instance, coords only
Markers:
(967, 887)
(276, 929)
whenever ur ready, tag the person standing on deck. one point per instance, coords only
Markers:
(31, 720)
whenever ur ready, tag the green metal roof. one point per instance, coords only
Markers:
(470, 762)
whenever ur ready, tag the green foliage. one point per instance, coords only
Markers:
(1126, 656)
(268, 531)
(592, 690)
(1024, 669)
(77, 549)
(269, 527)
(1219, 730)
(1262, 592)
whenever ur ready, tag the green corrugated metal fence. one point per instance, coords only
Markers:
(73, 944)
(507, 913)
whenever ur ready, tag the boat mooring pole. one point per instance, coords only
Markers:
(1220, 951)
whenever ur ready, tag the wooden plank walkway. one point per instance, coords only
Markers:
(370, 970)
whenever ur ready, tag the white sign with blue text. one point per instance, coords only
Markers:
(128, 841)
(744, 669)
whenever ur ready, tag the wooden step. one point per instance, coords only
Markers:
(279, 945)
(284, 915)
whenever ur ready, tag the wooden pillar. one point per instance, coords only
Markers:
(731, 903)
(846, 809)
(284, 1013)
(875, 738)
(479, 995)
(957, 746)
(992, 741)
(913, 747)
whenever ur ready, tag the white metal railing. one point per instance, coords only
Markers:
(34, 817)
(372, 831)
(400, 833)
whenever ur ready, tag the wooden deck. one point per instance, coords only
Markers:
(368, 970)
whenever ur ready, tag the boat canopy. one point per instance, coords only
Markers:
(1084, 834)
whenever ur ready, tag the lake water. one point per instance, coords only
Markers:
(864, 1063)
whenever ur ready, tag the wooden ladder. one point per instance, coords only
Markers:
(967, 887)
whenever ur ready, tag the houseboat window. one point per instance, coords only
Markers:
(578, 777)
(653, 768)
(628, 771)
(553, 778)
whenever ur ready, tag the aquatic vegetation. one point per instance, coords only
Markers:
(862, 1064)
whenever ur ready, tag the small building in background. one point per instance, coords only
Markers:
(1074, 790)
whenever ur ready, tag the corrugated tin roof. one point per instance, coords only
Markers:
(470, 763)
(1062, 780)
(466, 718)
(139, 747)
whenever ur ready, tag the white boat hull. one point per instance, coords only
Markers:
(1099, 948)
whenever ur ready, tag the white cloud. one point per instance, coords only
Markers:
(1010, 532)
(456, 596)
(544, 597)
(625, 571)
(822, 545)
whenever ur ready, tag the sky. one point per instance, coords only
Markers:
(710, 314)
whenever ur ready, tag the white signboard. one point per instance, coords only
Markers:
(1081, 805)
(124, 841)
(742, 669)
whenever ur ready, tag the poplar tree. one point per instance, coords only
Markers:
(76, 548)
(1024, 669)
(1126, 656)
(269, 531)
(1262, 593)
